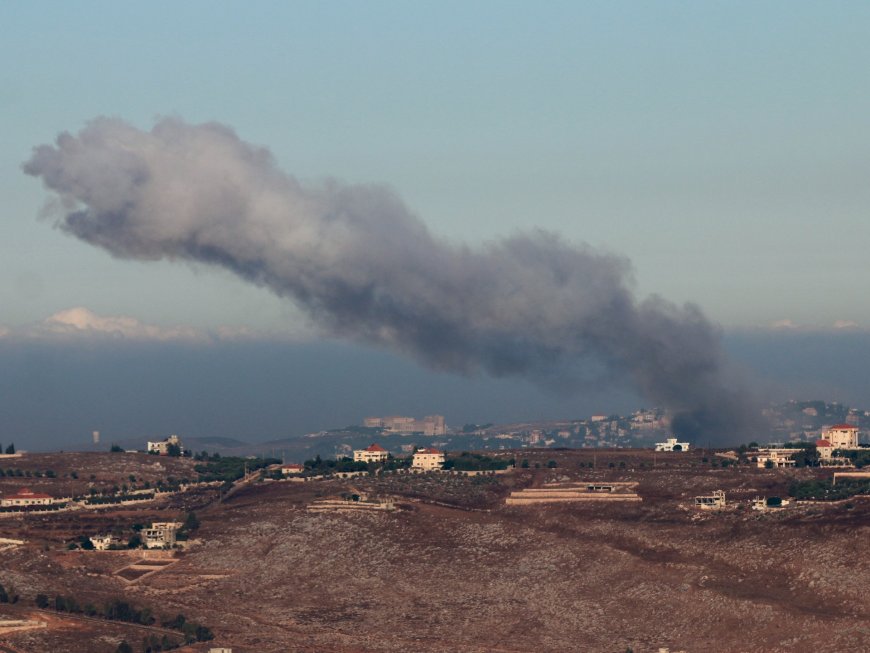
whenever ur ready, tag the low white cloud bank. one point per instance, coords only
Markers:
(790, 325)
(81, 323)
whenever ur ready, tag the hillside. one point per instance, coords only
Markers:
(453, 569)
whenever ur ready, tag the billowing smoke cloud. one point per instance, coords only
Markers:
(367, 269)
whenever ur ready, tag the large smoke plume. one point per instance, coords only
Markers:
(365, 268)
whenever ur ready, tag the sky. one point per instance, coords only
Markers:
(721, 147)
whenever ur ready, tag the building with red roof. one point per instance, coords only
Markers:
(27, 497)
(373, 453)
(292, 468)
(824, 448)
(841, 436)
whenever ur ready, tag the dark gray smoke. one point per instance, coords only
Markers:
(367, 269)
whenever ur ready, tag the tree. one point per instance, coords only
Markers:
(552, 464)
(176, 623)
(134, 542)
(524, 464)
(124, 647)
(173, 450)
(116, 449)
(4, 597)
(41, 601)
(11, 448)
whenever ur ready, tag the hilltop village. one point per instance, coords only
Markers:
(385, 549)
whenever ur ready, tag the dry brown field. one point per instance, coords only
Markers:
(453, 569)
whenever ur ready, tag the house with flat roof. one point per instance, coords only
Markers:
(428, 459)
(162, 447)
(775, 457)
(160, 535)
(104, 542)
(713, 501)
(671, 444)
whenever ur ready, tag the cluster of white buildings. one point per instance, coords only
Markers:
(424, 459)
(838, 437)
(160, 535)
(429, 425)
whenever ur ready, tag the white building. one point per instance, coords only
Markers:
(160, 535)
(373, 453)
(776, 457)
(841, 436)
(104, 542)
(292, 468)
(428, 459)
(162, 447)
(27, 497)
(672, 445)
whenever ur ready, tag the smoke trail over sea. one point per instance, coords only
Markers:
(367, 269)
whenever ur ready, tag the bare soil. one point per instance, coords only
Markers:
(455, 570)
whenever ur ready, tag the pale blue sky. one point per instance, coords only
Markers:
(723, 146)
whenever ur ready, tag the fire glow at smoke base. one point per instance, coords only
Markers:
(366, 269)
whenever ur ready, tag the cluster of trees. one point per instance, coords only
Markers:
(230, 468)
(319, 466)
(150, 644)
(48, 473)
(117, 498)
(119, 610)
(49, 508)
(10, 449)
(551, 464)
(859, 457)
(10, 596)
(827, 491)
(469, 462)
(190, 524)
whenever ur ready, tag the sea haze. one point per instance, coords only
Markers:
(54, 394)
